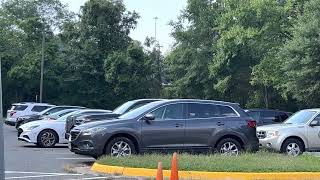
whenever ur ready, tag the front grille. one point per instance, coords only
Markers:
(261, 134)
(74, 135)
(19, 132)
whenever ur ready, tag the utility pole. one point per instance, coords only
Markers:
(155, 28)
(42, 66)
(1, 129)
(157, 54)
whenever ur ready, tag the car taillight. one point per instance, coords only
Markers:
(252, 123)
(12, 113)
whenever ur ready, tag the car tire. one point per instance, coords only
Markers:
(47, 138)
(292, 147)
(120, 146)
(229, 147)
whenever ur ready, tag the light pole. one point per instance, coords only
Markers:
(1, 130)
(155, 28)
(42, 66)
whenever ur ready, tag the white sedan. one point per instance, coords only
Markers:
(44, 133)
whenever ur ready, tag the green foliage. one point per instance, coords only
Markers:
(258, 53)
(129, 73)
(261, 161)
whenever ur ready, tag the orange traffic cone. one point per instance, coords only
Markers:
(174, 168)
(159, 172)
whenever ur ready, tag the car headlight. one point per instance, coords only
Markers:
(32, 127)
(272, 134)
(93, 130)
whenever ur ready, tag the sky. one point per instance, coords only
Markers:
(165, 10)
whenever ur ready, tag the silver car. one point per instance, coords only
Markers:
(299, 133)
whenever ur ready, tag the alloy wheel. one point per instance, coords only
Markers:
(48, 139)
(293, 149)
(120, 148)
(229, 149)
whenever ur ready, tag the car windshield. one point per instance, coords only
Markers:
(123, 108)
(64, 117)
(137, 112)
(301, 117)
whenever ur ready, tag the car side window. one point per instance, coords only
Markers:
(280, 117)
(173, 111)
(197, 110)
(158, 114)
(255, 115)
(39, 108)
(226, 111)
(267, 116)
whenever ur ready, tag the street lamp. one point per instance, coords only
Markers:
(1, 130)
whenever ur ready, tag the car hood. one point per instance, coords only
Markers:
(275, 127)
(41, 122)
(101, 123)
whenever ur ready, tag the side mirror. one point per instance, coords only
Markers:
(149, 117)
(314, 123)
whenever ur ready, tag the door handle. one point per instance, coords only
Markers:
(220, 123)
(178, 125)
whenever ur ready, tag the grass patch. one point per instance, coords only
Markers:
(246, 162)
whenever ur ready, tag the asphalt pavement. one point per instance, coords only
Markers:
(27, 161)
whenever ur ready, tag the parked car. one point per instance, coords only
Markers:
(56, 115)
(299, 133)
(23, 109)
(73, 117)
(78, 119)
(44, 133)
(35, 117)
(267, 116)
(169, 125)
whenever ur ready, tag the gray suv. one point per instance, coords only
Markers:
(169, 125)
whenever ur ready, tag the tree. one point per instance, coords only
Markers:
(299, 59)
(129, 74)
(103, 28)
(24, 23)
(187, 64)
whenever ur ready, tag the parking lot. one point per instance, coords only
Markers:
(25, 161)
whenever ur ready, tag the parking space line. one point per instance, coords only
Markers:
(39, 176)
(76, 158)
(44, 173)
(90, 178)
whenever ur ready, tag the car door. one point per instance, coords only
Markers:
(166, 130)
(314, 135)
(205, 120)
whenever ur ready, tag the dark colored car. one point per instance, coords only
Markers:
(78, 119)
(268, 116)
(35, 117)
(169, 125)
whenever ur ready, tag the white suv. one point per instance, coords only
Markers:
(23, 109)
(299, 133)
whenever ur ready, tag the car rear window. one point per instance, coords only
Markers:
(39, 108)
(254, 114)
(19, 107)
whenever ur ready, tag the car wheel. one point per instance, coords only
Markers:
(120, 146)
(47, 138)
(229, 147)
(292, 147)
